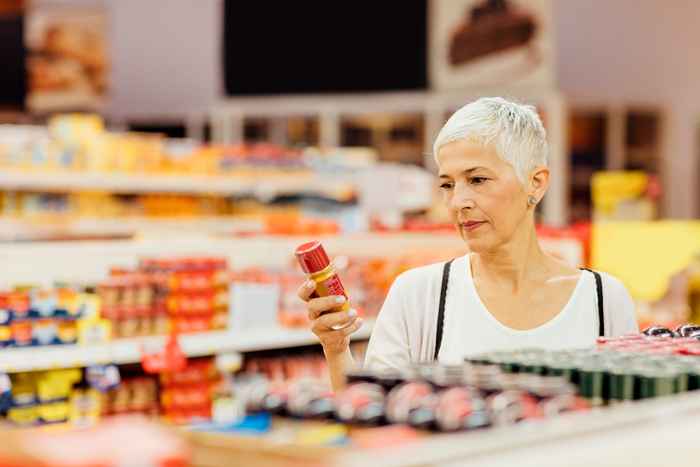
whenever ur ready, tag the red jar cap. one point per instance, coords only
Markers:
(312, 257)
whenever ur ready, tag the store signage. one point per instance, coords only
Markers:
(491, 43)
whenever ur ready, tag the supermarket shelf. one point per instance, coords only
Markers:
(624, 435)
(91, 260)
(262, 187)
(18, 229)
(123, 351)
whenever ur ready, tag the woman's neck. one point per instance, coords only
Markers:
(511, 264)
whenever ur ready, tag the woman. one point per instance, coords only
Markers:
(506, 293)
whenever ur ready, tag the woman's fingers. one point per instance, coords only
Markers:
(352, 328)
(318, 306)
(306, 290)
(334, 321)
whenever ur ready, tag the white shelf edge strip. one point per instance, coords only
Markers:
(123, 351)
(144, 183)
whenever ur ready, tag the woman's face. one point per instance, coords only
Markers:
(485, 199)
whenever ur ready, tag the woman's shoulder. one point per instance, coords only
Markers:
(612, 286)
(418, 277)
(421, 276)
(619, 305)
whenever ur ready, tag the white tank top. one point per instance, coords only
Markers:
(405, 329)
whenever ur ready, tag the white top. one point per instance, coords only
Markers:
(406, 327)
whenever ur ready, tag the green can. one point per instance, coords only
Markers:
(693, 375)
(511, 366)
(592, 384)
(622, 385)
(657, 383)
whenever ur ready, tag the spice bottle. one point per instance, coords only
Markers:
(314, 261)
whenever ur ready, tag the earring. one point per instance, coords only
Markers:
(531, 200)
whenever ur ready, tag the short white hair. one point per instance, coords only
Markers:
(515, 130)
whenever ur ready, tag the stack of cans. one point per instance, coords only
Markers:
(433, 397)
(606, 375)
(685, 340)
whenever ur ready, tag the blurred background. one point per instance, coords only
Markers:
(118, 124)
(142, 137)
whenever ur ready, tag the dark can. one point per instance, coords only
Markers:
(459, 409)
(622, 385)
(592, 384)
(657, 383)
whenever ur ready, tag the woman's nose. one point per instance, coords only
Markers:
(463, 198)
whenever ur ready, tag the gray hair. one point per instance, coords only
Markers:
(514, 129)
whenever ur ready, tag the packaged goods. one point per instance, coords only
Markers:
(33, 316)
(361, 403)
(432, 397)
(183, 295)
(314, 261)
(187, 395)
(311, 399)
(621, 369)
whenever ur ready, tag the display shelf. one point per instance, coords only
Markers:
(44, 263)
(220, 185)
(227, 119)
(124, 351)
(14, 228)
(612, 436)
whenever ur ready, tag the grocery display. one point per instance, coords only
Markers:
(491, 389)
(80, 142)
(76, 178)
(187, 395)
(157, 229)
(64, 396)
(30, 316)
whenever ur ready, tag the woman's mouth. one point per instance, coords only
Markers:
(472, 225)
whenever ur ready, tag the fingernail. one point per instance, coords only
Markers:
(310, 284)
(340, 299)
(352, 313)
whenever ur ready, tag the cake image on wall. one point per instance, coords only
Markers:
(491, 44)
(490, 27)
(67, 61)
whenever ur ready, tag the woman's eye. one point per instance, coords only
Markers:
(478, 180)
(446, 186)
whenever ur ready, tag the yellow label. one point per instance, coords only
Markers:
(94, 331)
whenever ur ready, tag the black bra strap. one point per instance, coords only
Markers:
(601, 308)
(441, 308)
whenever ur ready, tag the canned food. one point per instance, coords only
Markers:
(405, 398)
(361, 403)
(657, 383)
(658, 331)
(510, 407)
(460, 409)
(622, 385)
(592, 384)
(686, 330)
(310, 398)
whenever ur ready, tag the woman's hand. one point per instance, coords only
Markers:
(332, 327)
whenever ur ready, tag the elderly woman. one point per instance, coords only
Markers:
(506, 293)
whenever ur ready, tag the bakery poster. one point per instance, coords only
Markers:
(484, 43)
(67, 61)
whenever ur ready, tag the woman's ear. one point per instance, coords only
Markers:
(539, 183)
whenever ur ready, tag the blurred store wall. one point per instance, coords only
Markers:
(642, 51)
(166, 61)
